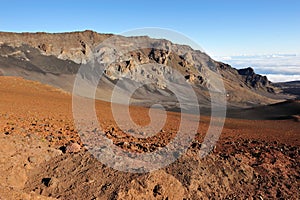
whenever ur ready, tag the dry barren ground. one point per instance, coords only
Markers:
(39, 158)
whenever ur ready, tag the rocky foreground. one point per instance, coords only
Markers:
(42, 156)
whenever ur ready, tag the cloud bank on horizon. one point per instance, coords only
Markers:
(277, 67)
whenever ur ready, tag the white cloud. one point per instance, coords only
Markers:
(277, 67)
(226, 58)
(282, 77)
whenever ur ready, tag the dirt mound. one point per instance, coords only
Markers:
(240, 169)
(19, 155)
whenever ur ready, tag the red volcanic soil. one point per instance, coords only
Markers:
(41, 158)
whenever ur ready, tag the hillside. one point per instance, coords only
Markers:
(56, 58)
(292, 87)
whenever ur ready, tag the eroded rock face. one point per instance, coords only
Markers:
(51, 56)
(75, 46)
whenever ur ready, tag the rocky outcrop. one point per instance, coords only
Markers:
(255, 80)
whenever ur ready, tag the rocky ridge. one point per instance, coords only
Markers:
(55, 59)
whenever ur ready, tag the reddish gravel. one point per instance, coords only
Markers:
(253, 159)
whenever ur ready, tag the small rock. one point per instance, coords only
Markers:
(47, 157)
(73, 148)
(32, 159)
(49, 138)
(158, 190)
(50, 182)
(53, 182)
(130, 130)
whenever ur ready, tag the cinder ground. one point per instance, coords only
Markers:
(254, 159)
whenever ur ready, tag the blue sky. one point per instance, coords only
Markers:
(220, 27)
